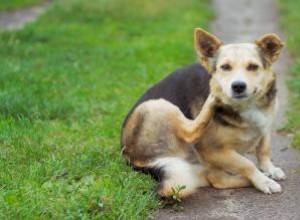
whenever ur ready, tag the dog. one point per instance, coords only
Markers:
(193, 128)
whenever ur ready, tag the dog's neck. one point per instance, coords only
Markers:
(227, 116)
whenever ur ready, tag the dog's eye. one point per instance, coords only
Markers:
(226, 67)
(252, 67)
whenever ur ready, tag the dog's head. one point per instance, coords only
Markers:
(240, 72)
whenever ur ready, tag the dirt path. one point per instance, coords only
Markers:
(244, 21)
(17, 19)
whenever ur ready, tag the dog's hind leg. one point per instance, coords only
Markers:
(179, 176)
(220, 179)
(192, 130)
(233, 162)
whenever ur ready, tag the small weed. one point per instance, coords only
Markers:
(176, 190)
(174, 202)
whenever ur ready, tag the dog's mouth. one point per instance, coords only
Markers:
(239, 96)
(244, 95)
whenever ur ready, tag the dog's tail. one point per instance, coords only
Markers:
(176, 176)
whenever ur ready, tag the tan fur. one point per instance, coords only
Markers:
(165, 132)
(179, 130)
(192, 130)
(229, 144)
(220, 179)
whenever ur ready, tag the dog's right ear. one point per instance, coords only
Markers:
(206, 46)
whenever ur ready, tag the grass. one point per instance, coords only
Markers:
(9, 5)
(66, 84)
(290, 17)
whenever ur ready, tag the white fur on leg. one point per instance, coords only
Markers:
(265, 184)
(179, 172)
(271, 171)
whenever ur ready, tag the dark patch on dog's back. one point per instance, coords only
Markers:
(182, 88)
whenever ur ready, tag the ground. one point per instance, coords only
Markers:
(67, 82)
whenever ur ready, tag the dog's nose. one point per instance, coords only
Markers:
(238, 87)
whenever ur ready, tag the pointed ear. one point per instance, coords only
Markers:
(270, 46)
(206, 44)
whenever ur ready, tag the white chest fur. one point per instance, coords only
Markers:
(258, 124)
(257, 118)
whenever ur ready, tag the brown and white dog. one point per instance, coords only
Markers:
(192, 128)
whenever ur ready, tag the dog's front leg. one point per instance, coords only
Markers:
(264, 159)
(230, 161)
(192, 130)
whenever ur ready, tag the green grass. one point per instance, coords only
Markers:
(8, 5)
(66, 84)
(290, 22)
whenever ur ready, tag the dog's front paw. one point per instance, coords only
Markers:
(269, 187)
(274, 173)
(213, 101)
(265, 184)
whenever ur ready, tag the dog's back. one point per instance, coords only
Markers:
(186, 88)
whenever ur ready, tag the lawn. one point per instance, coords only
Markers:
(290, 22)
(9, 5)
(67, 82)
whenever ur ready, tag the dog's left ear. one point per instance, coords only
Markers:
(270, 45)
